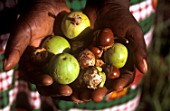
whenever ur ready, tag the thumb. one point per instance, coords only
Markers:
(138, 47)
(17, 43)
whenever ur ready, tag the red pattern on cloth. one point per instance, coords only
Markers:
(142, 10)
(13, 93)
(33, 96)
(6, 80)
(128, 106)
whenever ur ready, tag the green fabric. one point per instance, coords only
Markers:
(4, 95)
(147, 23)
(32, 87)
(76, 5)
(36, 110)
(66, 105)
(1, 63)
(13, 106)
(133, 2)
(4, 99)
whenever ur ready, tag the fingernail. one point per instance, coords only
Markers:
(44, 80)
(145, 66)
(6, 65)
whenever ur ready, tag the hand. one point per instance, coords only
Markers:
(114, 14)
(31, 28)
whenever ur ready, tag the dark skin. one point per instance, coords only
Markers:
(37, 23)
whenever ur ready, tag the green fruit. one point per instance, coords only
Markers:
(116, 55)
(56, 44)
(103, 75)
(74, 24)
(64, 68)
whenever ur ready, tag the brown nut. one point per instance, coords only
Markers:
(99, 94)
(97, 52)
(111, 71)
(106, 37)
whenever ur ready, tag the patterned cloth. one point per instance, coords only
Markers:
(133, 94)
(11, 86)
(76, 5)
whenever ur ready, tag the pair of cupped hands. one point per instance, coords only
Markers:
(37, 23)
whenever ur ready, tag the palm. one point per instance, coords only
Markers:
(30, 29)
(123, 25)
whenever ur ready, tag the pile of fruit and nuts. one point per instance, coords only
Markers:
(88, 59)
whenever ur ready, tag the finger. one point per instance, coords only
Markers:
(124, 25)
(90, 11)
(85, 94)
(127, 74)
(42, 80)
(75, 97)
(123, 81)
(55, 90)
(99, 94)
(39, 78)
(35, 72)
(17, 43)
(138, 47)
